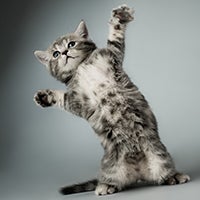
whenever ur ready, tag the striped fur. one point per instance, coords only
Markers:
(100, 91)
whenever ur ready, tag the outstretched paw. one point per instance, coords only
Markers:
(45, 98)
(104, 189)
(178, 178)
(123, 13)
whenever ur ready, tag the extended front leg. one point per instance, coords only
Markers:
(47, 98)
(121, 16)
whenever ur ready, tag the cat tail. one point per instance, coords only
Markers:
(78, 188)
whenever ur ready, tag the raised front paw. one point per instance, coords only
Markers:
(45, 98)
(123, 13)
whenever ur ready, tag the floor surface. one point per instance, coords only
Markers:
(38, 190)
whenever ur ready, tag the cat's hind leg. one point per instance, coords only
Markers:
(177, 178)
(104, 189)
(161, 169)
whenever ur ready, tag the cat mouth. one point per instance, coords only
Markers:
(70, 57)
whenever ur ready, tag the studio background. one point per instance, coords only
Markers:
(43, 149)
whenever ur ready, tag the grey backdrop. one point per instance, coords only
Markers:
(43, 149)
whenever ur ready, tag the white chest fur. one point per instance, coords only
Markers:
(92, 77)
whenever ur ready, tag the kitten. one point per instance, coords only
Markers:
(100, 91)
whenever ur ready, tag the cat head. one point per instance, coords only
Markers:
(64, 56)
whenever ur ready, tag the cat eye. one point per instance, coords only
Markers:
(56, 54)
(71, 44)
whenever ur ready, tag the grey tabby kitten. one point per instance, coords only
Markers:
(100, 91)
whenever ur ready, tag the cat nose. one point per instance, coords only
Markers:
(64, 52)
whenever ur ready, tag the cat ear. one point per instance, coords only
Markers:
(82, 30)
(42, 56)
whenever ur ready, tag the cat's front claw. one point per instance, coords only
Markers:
(44, 98)
(123, 13)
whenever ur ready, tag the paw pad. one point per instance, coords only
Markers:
(44, 98)
(123, 13)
